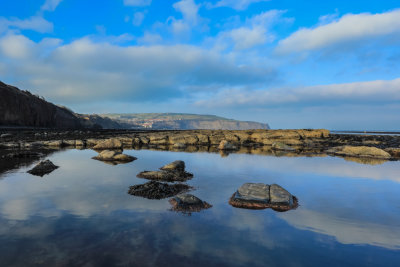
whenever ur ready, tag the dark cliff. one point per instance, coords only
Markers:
(21, 108)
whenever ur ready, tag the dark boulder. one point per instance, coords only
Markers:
(43, 168)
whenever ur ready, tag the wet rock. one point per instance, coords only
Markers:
(22, 154)
(6, 135)
(225, 145)
(279, 196)
(69, 142)
(79, 143)
(281, 146)
(188, 203)
(43, 168)
(262, 196)
(177, 165)
(167, 176)
(114, 156)
(360, 151)
(172, 172)
(157, 190)
(109, 144)
(394, 152)
(55, 143)
(179, 145)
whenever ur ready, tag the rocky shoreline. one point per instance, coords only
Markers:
(269, 142)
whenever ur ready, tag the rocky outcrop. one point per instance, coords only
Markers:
(157, 190)
(172, 172)
(262, 196)
(43, 168)
(360, 151)
(114, 156)
(188, 203)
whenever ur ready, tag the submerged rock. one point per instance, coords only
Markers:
(172, 172)
(43, 168)
(262, 196)
(188, 203)
(114, 156)
(157, 190)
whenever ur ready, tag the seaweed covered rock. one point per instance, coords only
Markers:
(43, 168)
(172, 172)
(157, 190)
(188, 203)
(262, 196)
(114, 156)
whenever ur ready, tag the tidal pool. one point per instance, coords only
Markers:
(82, 215)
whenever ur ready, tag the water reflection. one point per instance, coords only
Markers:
(82, 215)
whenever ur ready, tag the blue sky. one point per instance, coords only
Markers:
(293, 64)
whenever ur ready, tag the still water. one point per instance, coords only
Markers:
(81, 214)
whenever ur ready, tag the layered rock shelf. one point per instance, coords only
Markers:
(310, 142)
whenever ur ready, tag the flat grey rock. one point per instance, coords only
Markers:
(262, 196)
(280, 196)
(253, 192)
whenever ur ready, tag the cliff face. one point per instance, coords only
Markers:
(21, 108)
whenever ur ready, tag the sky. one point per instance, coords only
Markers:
(292, 64)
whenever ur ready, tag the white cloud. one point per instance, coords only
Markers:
(190, 17)
(189, 10)
(245, 38)
(351, 27)
(16, 47)
(149, 38)
(35, 23)
(256, 31)
(346, 231)
(137, 2)
(359, 92)
(235, 4)
(138, 18)
(74, 73)
(50, 5)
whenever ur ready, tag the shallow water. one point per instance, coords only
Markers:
(81, 214)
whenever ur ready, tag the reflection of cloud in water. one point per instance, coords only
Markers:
(345, 231)
(332, 166)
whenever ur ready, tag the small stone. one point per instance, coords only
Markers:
(114, 156)
(43, 168)
(188, 203)
(177, 165)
